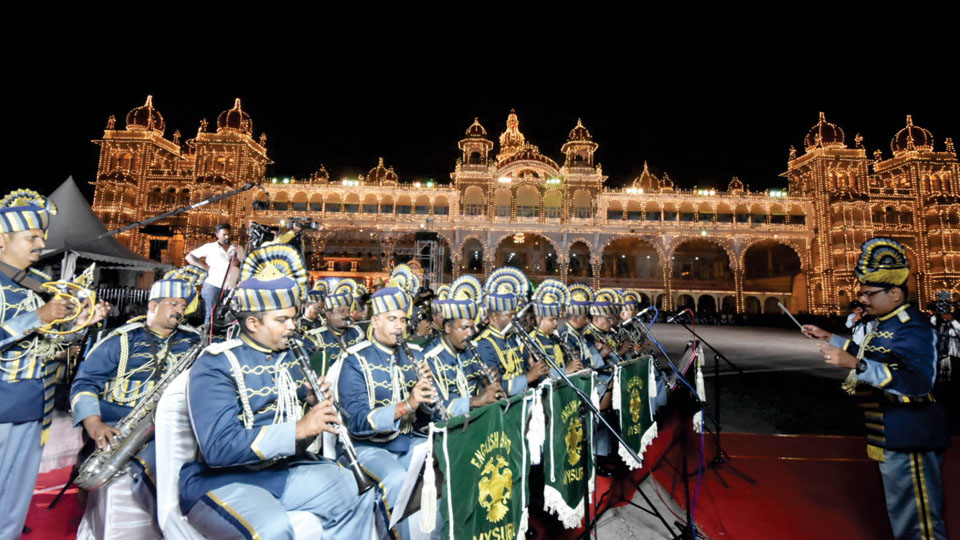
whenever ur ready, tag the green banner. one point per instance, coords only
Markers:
(634, 393)
(485, 466)
(568, 449)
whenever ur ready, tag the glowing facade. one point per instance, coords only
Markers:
(508, 203)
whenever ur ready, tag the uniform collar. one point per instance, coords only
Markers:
(493, 331)
(376, 343)
(447, 347)
(253, 344)
(894, 312)
(573, 330)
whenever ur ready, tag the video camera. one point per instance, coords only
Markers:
(302, 222)
(944, 304)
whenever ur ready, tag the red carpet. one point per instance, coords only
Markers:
(807, 487)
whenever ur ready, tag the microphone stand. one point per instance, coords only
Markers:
(719, 453)
(585, 403)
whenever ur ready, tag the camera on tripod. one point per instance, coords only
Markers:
(258, 234)
(302, 222)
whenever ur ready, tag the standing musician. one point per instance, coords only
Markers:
(313, 310)
(893, 373)
(548, 303)
(505, 353)
(459, 372)
(246, 399)
(382, 394)
(124, 367)
(578, 313)
(329, 341)
(28, 369)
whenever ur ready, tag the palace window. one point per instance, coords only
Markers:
(614, 214)
(370, 209)
(582, 212)
(552, 212)
(526, 211)
(422, 209)
(634, 215)
(403, 208)
(386, 208)
(687, 216)
(473, 209)
(503, 211)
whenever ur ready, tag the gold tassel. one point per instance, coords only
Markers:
(850, 384)
(875, 453)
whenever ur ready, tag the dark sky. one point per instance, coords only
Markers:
(703, 124)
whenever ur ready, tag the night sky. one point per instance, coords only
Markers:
(702, 125)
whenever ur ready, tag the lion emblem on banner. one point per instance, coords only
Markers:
(636, 404)
(573, 439)
(496, 486)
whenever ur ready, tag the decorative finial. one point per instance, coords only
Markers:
(878, 155)
(949, 145)
(263, 138)
(380, 163)
(176, 137)
(858, 141)
(203, 126)
(823, 118)
(579, 122)
(149, 103)
(236, 104)
(793, 153)
(111, 122)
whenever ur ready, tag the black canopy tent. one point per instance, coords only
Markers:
(76, 232)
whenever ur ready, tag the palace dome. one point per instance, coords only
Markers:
(579, 133)
(145, 117)
(476, 131)
(912, 138)
(647, 181)
(235, 119)
(824, 135)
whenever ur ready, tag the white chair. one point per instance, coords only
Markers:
(112, 513)
(175, 446)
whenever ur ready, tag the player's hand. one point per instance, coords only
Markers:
(815, 332)
(102, 434)
(837, 357)
(55, 309)
(422, 392)
(574, 366)
(318, 419)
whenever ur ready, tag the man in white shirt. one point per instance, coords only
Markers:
(217, 258)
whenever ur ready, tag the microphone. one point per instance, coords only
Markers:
(509, 327)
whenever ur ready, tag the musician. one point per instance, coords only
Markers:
(630, 305)
(458, 371)
(28, 369)
(431, 328)
(124, 367)
(329, 341)
(548, 303)
(221, 260)
(578, 313)
(603, 316)
(506, 354)
(313, 309)
(245, 398)
(360, 311)
(893, 373)
(379, 389)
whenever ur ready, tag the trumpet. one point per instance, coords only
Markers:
(77, 291)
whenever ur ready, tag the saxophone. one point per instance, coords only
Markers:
(136, 430)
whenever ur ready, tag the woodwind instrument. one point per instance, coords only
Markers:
(421, 374)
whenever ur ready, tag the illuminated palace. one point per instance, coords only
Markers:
(720, 250)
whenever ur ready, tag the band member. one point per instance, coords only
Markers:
(604, 315)
(548, 303)
(246, 402)
(329, 342)
(124, 367)
(893, 375)
(459, 372)
(382, 394)
(221, 260)
(313, 310)
(28, 369)
(630, 306)
(505, 353)
(578, 312)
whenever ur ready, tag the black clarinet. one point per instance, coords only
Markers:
(418, 369)
(567, 351)
(486, 369)
(364, 482)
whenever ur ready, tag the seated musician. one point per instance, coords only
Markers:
(379, 389)
(504, 353)
(124, 367)
(246, 400)
(331, 341)
(548, 304)
(459, 372)
(578, 311)
(313, 309)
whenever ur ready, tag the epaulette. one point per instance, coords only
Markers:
(313, 332)
(434, 351)
(129, 327)
(415, 347)
(41, 275)
(903, 316)
(357, 347)
(188, 328)
(218, 348)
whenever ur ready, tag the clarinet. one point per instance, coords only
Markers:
(567, 351)
(487, 370)
(418, 369)
(364, 483)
